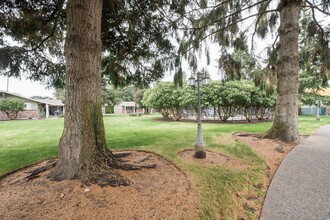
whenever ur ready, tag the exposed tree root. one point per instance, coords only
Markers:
(107, 178)
(122, 164)
(35, 173)
(103, 173)
(120, 155)
(245, 134)
(144, 159)
(136, 167)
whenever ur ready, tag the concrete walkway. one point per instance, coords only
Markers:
(300, 189)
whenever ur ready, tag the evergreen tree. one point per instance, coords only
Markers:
(131, 33)
(222, 22)
(311, 76)
(136, 46)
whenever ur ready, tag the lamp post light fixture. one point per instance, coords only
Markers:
(200, 151)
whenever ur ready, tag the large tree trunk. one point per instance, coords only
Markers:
(83, 153)
(285, 125)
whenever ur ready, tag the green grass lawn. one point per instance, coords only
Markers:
(27, 141)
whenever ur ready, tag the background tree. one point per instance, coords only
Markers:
(221, 21)
(138, 96)
(311, 78)
(227, 99)
(240, 96)
(109, 98)
(112, 96)
(227, 104)
(239, 63)
(166, 98)
(11, 107)
(60, 94)
(263, 103)
(40, 97)
(126, 93)
(109, 95)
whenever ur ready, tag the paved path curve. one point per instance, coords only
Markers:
(300, 189)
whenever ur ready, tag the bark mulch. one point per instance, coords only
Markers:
(160, 193)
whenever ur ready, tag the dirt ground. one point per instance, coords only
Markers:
(266, 148)
(161, 193)
(212, 158)
(273, 157)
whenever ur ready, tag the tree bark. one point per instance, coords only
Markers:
(83, 153)
(285, 124)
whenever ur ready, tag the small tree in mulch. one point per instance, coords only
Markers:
(11, 107)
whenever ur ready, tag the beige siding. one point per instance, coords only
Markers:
(34, 105)
(31, 105)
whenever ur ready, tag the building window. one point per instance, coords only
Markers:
(28, 106)
(129, 109)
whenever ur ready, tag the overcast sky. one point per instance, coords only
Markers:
(24, 87)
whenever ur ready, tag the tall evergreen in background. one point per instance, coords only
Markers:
(228, 23)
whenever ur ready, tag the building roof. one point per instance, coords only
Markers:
(53, 102)
(127, 104)
(322, 92)
(3, 93)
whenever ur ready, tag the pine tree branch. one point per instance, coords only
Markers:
(318, 25)
(215, 6)
(55, 16)
(255, 31)
(255, 27)
(227, 16)
(316, 7)
(234, 13)
(163, 13)
(229, 25)
(273, 45)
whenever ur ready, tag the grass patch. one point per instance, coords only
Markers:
(308, 124)
(220, 185)
(27, 141)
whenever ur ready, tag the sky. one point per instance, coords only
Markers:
(24, 87)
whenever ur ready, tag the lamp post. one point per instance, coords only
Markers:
(200, 151)
(318, 104)
(8, 84)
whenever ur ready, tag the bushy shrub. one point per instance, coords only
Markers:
(11, 107)
(225, 98)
